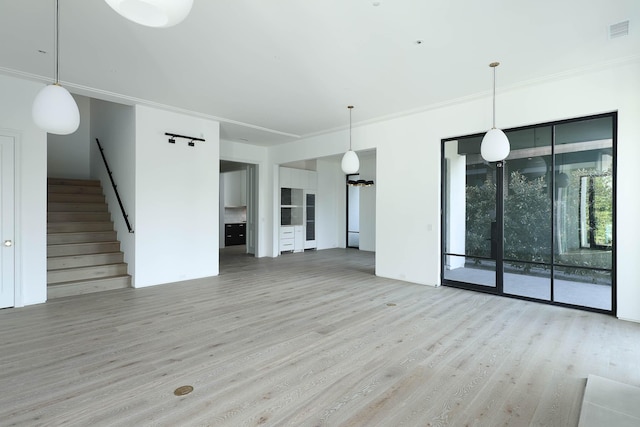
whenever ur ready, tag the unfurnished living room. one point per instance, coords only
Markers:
(364, 213)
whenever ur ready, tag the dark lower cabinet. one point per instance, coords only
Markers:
(235, 234)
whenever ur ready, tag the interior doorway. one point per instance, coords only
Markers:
(238, 209)
(353, 212)
(539, 225)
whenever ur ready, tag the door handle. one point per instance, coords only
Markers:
(8, 243)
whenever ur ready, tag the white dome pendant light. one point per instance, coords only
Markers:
(54, 109)
(495, 144)
(153, 13)
(350, 162)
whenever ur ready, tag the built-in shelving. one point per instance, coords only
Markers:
(297, 209)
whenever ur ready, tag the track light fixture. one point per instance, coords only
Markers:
(359, 183)
(191, 143)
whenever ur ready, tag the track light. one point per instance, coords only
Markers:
(191, 142)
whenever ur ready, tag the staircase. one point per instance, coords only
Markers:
(83, 253)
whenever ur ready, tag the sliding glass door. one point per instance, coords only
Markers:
(539, 225)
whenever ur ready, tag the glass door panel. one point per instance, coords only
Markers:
(583, 252)
(469, 215)
(527, 214)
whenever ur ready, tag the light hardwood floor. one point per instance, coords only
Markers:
(304, 340)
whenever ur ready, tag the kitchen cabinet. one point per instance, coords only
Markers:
(235, 234)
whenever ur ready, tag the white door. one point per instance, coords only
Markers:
(7, 285)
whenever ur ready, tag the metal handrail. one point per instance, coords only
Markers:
(115, 188)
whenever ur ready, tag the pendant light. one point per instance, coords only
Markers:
(495, 144)
(350, 162)
(153, 13)
(54, 109)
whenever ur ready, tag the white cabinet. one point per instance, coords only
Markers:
(287, 238)
(235, 188)
(298, 178)
(291, 238)
(298, 238)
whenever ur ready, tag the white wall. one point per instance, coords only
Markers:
(331, 205)
(177, 195)
(30, 235)
(221, 224)
(68, 155)
(368, 204)
(114, 125)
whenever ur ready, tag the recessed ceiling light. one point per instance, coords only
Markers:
(376, 3)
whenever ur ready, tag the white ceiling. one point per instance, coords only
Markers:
(273, 71)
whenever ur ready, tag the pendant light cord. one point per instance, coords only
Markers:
(56, 47)
(494, 65)
(494, 97)
(350, 107)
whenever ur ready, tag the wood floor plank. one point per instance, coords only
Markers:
(305, 339)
